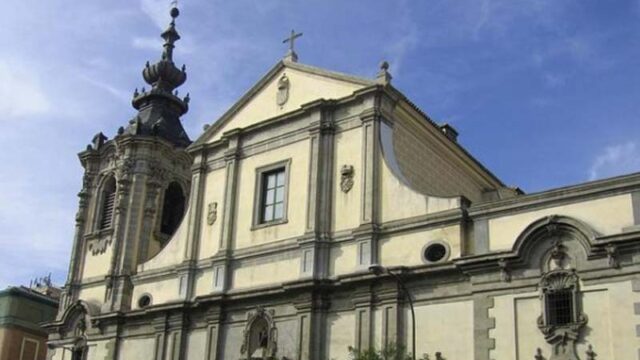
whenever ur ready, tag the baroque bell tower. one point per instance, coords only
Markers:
(135, 188)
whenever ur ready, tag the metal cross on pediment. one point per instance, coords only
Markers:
(174, 4)
(291, 39)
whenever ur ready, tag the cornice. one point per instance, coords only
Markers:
(555, 197)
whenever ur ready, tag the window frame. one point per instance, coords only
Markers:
(446, 256)
(100, 203)
(259, 193)
(555, 282)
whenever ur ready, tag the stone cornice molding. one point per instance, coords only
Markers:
(586, 191)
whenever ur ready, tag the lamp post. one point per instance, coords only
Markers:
(378, 270)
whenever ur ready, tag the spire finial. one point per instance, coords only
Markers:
(384, 77)
(175, 12)
(164, 74)
(291, 54)
(170, 35)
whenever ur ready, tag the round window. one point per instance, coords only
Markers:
(144, 301)
(435, 252)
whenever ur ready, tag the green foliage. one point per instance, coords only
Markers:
(390, 352)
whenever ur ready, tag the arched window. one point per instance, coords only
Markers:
(108, 202)
(172, 209)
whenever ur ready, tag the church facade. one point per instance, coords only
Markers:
(325, 211)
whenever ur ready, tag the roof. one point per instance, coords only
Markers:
(21, 291)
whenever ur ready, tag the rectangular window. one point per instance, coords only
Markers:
(559, 307)
(273, 193)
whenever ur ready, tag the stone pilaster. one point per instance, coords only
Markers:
(312, 311)
(77, 251)
(362, 300)
(124, 175)
(160, 328)
(198, 183)
(213, 343)
(177, 333)
(366, 234)
(130, 185)
(390, 302)
(371, 158)
(314, 246)
(151, 206)
(221, 265)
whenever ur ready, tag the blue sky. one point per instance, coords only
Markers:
(544, 93)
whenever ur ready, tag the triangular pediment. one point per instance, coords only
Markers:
(286, 87)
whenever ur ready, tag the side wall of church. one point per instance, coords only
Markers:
(610, 330)
(429, 162)
(610, 215)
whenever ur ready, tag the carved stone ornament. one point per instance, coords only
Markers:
(260, 336)
(559, 257)
(99, 244)
(157, 173)
(212, 213)
(562, 336)
(612, 256)
(346, 178)
(505, 275)
(126, 169)
(283, 90)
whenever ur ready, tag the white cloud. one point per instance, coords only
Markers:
(21, 93)
(407, 41)
(119, 94)
(616, 160)
(157, 10)
(147, 43)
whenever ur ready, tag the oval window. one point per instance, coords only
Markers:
(144, 301)
(435, 252)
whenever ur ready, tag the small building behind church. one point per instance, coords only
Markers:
(325, 211)
(23, 310)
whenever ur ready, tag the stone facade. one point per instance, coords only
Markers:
(370, 182)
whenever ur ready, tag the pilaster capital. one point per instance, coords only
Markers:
(369, 115)
(312, 301)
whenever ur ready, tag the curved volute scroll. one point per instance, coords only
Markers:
(260, 336)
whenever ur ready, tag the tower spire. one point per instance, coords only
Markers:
(160, 108)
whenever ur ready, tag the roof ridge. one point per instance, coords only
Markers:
(329, 73)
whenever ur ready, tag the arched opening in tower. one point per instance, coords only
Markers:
(172, 209)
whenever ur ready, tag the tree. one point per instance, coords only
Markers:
(390, 352)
